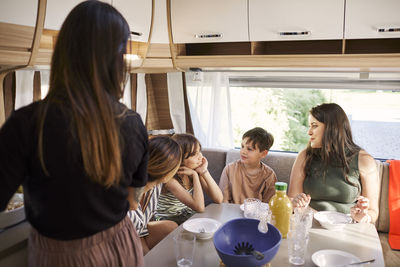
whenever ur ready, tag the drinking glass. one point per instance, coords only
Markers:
(264, 215)
(251, 207)
(298, 236)
(184, 245)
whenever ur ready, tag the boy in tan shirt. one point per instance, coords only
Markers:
(248, 177)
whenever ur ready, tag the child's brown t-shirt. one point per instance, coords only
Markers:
(237, 184)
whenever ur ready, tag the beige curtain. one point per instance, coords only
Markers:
(151, 94)
(23, 88)
(141, 96)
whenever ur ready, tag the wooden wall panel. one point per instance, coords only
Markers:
(14, 36)
(363, 61)
(158, 113)
(188, 120)
(9, 93)
(133, 90)
(37, 90)
(14, 58)
(159, 51)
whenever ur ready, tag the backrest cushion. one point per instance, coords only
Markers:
(216, 162)
(382, 223)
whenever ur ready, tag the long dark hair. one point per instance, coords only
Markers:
(338, 147)
(188, 144)
(87, 78)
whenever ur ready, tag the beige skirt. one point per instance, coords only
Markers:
(117, 246)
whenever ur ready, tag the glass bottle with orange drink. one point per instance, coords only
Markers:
(281, 208)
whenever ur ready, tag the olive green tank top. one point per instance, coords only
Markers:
(329, 189)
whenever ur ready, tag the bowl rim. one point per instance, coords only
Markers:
(317, 216)
(245, 219)
(332, 251)
(194, 220)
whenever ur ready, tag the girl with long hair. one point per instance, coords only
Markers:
(164, 161)
(77, 151)
(182, 196)
(333, 173)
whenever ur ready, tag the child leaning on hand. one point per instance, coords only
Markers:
(248, 177)
(182, 196)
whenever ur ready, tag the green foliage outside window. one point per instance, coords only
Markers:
(298, 103)
(283, 112)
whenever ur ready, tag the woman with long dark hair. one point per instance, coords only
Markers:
(78, 151)
(333, 173)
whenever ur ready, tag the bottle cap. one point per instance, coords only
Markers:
(281, 186)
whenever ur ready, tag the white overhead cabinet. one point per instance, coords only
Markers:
(57, 11)
(159, 33)
(19, 12)
(209, 21)
(372, 19)
(138, 15)
(281, 20)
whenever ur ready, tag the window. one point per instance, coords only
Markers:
(372, 106)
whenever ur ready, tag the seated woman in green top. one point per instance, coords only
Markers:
(333, 173)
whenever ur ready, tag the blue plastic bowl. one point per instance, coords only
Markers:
(246, 230)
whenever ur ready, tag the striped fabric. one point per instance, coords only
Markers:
(170, 208)
(141, 218)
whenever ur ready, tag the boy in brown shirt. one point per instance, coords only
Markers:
(248, 177)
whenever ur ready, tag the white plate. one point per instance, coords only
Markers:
(197, 225)
(14, 216)
(332, 258)
(332, 220)
(8, 218)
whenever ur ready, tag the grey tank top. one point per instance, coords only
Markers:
(329, 189)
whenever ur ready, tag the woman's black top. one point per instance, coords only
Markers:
(66, 204)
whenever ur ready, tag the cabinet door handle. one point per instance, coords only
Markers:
(137, 34)
(303, 33)
(208, 35)
(388, 29)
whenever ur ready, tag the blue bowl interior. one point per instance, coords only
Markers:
(245, 230)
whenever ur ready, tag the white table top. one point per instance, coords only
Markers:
(361, 240)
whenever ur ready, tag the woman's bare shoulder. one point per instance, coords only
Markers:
(366, 162)
(365, 157)
(301, 156)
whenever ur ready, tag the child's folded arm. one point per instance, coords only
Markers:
(195, 201)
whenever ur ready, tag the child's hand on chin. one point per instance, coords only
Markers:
(186, 171)
(203, 167)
